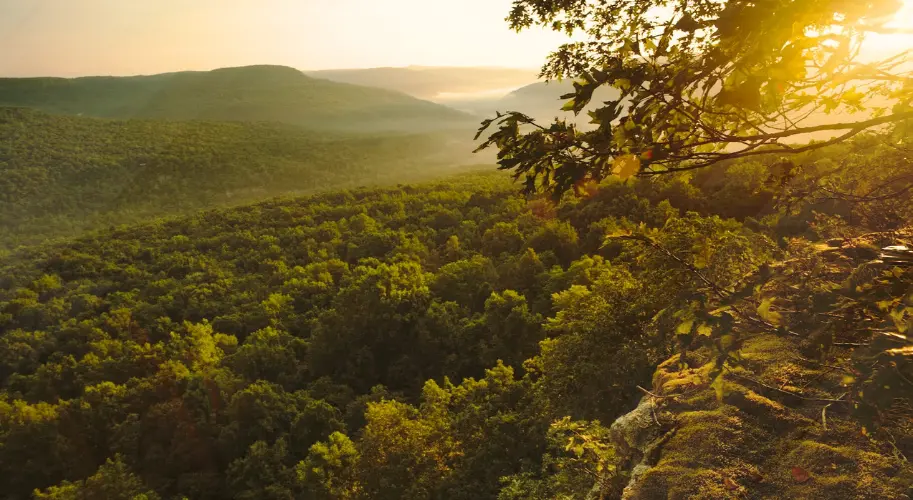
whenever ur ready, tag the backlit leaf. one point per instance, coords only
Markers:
(626, 166)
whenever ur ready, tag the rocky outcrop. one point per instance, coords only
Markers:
(776, 427)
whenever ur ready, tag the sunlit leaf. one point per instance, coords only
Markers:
(684, 328)
(766, 314)
(626, 166)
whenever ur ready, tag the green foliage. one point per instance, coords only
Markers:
(327, 471)
(596, 344)
(699, 82)
(214, 351)
(580, 463)
(113, 480)
(305, 348)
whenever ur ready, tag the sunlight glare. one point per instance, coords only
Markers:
(904, 17)
(880, 46)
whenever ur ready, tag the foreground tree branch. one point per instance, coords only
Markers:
(698, 82)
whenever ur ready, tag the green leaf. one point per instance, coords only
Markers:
(626, 166)
(766, 314)
(687, 23)
(684, 328)
(719, 386)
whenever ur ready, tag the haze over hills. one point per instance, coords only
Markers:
(60, 175)
(478, 91)
(540, 100)
(439, 84)
(252, 93)
(368, 100)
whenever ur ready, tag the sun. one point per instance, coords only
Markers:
(879, 46)
(904, 17)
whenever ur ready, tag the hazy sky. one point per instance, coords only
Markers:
(122, 37)
(82, 37)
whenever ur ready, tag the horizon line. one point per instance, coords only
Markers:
(411, 66)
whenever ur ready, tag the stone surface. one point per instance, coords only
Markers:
(753, 442)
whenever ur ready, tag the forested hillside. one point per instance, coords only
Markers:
(60, 174)
(252, 93)
(444, 340)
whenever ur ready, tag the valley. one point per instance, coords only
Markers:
(65, 174)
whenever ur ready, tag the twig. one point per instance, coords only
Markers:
(793, 394)
(850, 344)
(893, 441)
(902, 377)
(657, 396)
(643, 239)
(824, 412)
(653, 410)
(834, 367)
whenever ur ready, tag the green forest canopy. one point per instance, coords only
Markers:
(402, 342)
(60, 174)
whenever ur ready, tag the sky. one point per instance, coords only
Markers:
(125, 37)
(128, 37)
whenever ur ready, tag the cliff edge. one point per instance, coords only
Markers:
(777, 427)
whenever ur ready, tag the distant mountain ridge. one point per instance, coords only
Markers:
(430, 82)
(249, 93)
(540, 100)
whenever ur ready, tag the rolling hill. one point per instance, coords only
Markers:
(252, 93)
(60, 175)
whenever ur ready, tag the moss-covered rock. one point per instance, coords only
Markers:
(780, 430)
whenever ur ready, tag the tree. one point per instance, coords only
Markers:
(468, 282)
(557, 237)
(502, 237)
(597, 350)
(580, 464)
(262, 473)
(699, 82)
(113, 480)
(368, 335)
(404, 454)
(508, 331)
(327, 471)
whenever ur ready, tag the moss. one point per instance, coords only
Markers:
(841, 472)
(683, 483)
(762, 402)
(710, 447)
(746, 445)
(682, 381)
